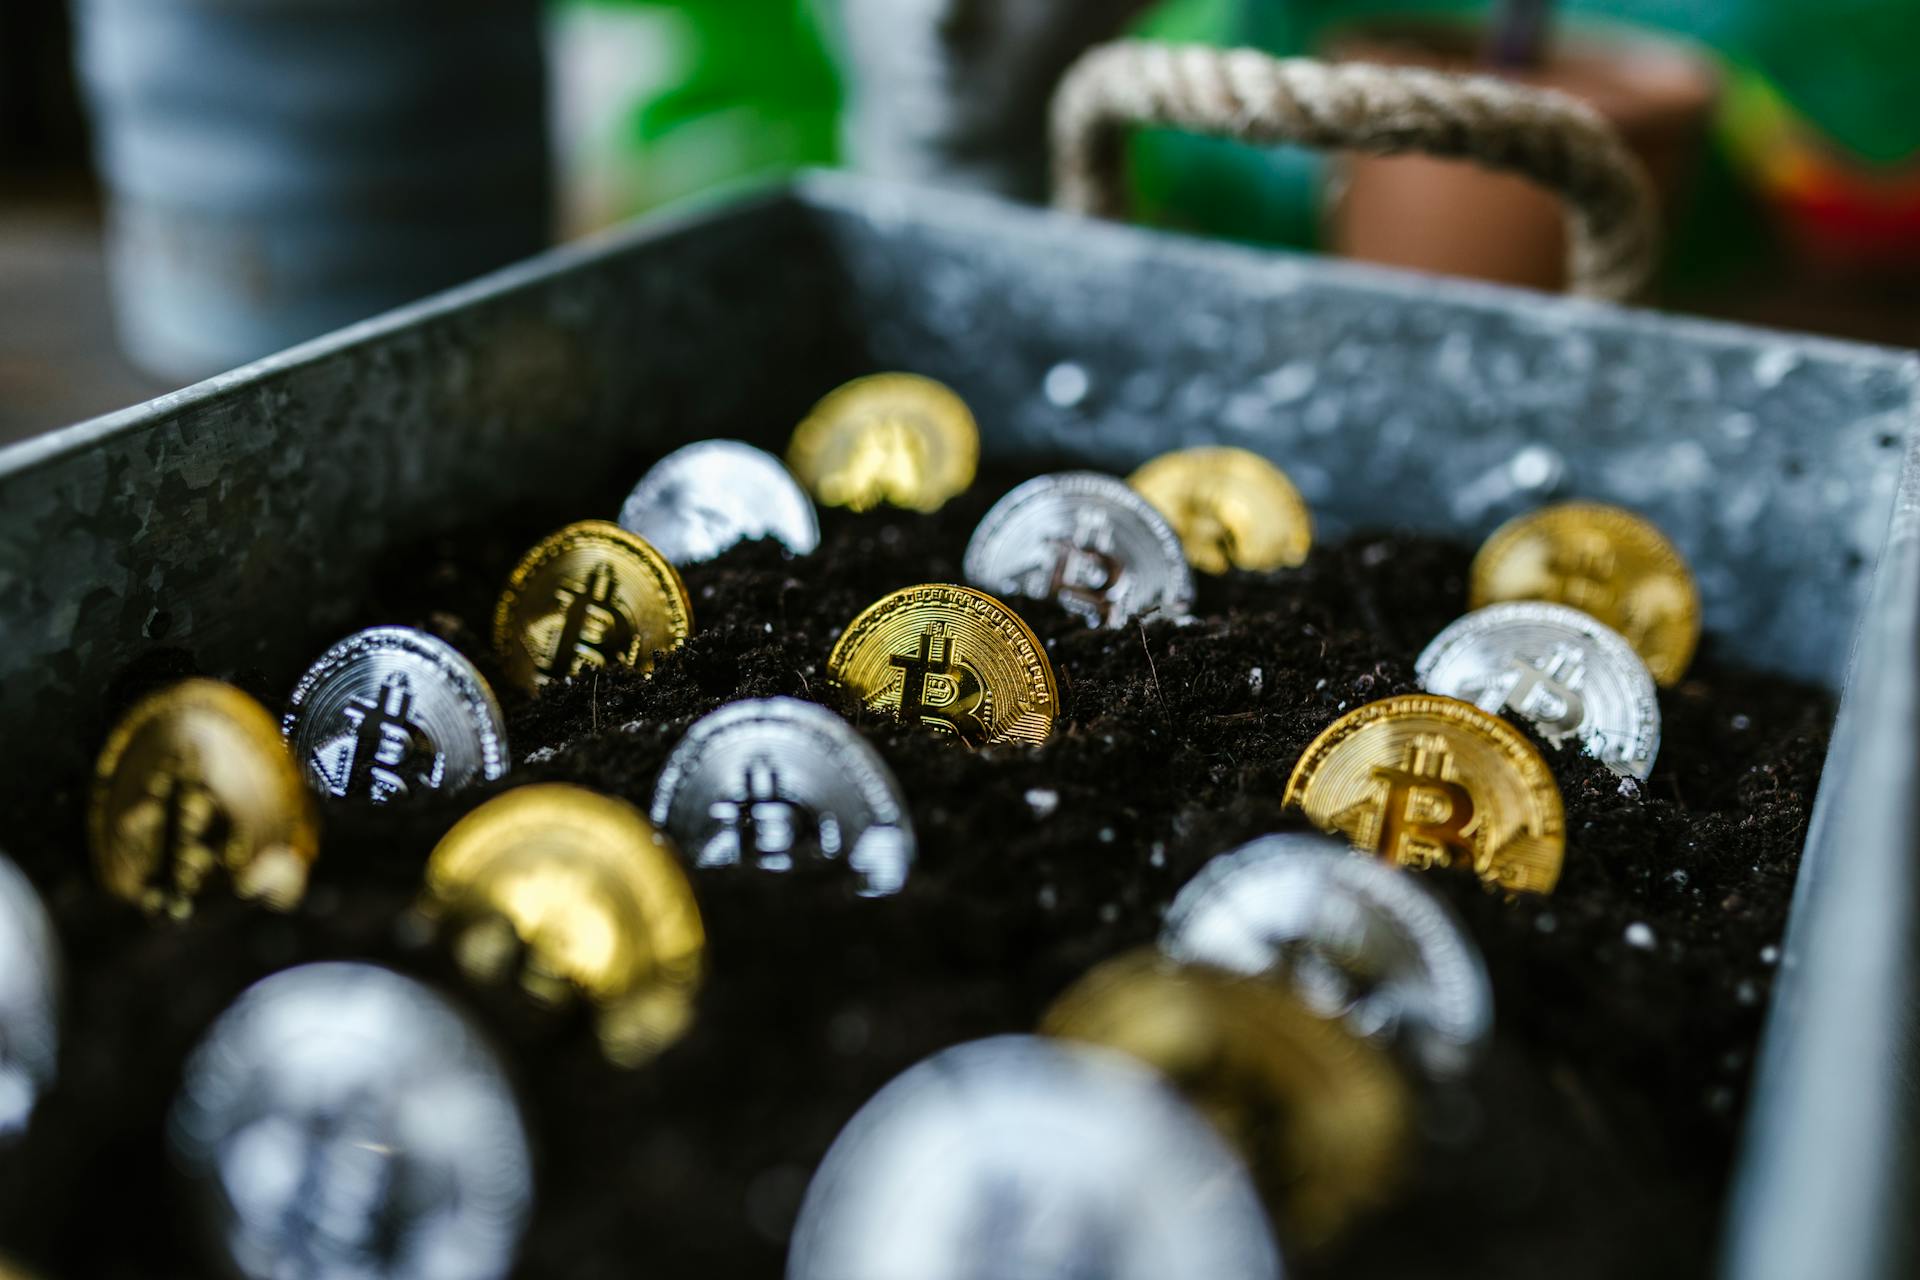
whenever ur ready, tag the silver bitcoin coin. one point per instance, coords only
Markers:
(340, 1120)
(1086, 541)
(391, 712)
(1566, 674)
(1356, 938)
(698, 501)
(1022, 1158)
(29, 1000)
(768, 781)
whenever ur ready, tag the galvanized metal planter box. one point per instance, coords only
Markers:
(240, 515)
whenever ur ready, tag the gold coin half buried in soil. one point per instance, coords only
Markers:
(896, 438)
(1320, 1116)
(1604, 561)
(196, 781)
(952, 658)
(590, 596)
(1426, 781)
(569, 891)
(1232, 508)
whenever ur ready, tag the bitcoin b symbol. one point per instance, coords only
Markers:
(1546, 696)
(887, 463)
(758, 820)
(186, 829)
(1425, 818)
(385, 754)
(594, 630)
(1210, 541)
(939, 691)
(1582, 572)
(1087, 578)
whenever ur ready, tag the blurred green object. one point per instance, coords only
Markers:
(1204, 20)
(661, 98)
(1257, 194)
(1845, 65)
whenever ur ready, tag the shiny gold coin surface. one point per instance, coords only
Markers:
(1320, 1116)
(1427, 781)
(894, 438)
(196, 783)
(1608, 563)
(1231, 507)
(590, 596)
(951, 658)
(571, 892)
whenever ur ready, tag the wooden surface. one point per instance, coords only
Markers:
(58, 359)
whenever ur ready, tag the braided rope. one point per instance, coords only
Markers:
(1540, 134)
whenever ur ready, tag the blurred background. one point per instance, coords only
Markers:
(187, 184)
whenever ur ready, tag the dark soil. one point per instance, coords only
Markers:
(1597, 1141)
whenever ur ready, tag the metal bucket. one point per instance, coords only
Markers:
(278, 168)
(244, 517)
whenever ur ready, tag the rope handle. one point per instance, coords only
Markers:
(1541, 134)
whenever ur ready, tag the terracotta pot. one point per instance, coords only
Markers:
(1459, 219)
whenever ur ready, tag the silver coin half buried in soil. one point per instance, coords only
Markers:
(343, 1121)
(767, 781)
(1023, 1158)
(1086, 541)
(1563, 672)
(1356, 938)
(29, 1000)
(698, 501)
(390, 712)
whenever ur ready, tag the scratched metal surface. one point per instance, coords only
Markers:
(1396, 399)
(243, 516)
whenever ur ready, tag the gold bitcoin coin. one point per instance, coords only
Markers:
(1606, 562)
(896, 438)
(570, 892)
(590, 596)
(953, 659)
(1426, 781)
(1232, 509)
(1320, 1116)
(194, 783)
